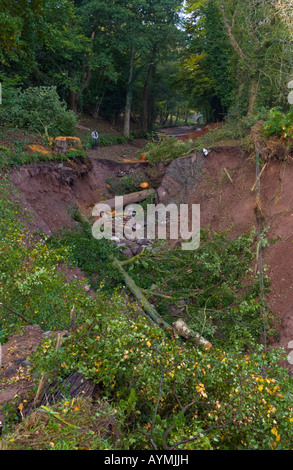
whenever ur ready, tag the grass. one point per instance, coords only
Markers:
(105, 140)
(75, 424)
(233, 132)
(15, 149)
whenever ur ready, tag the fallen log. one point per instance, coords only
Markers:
(178, 327)
(138, 294)
(187, 333)
(130, 198)
(145, 304)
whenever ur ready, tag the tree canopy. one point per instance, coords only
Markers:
(146, 60)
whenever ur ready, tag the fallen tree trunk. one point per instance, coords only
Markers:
(136, 291)
(187, 333)
(144, 303)
(179, 328)
(130, 198)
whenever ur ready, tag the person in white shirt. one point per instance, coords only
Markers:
(95, 137)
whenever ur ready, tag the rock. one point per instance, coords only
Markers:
(142, 241)
(23, 362)
(47, 334)
(19, 360)
(180, 179)
(161, 194)
(174, 311)
(136, 250)
(128, 253)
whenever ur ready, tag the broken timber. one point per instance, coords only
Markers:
(131, 198)
(151, 312)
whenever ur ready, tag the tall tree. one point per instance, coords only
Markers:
(257, 34)
(22, 26)
(247, 49)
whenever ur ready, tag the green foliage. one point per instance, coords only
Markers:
(234, 131)
(74, 424)
(19, 156)
(279, 123)
(219, 54)
(32, 281)
(210, 288)
(169, 393)
(38, 109)
(126, 184)
(21, 28)
(89, 254)
(205, 72)
(107, 140)
(247, 54)
(165, 149)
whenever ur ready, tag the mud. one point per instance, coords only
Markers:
(51, 191)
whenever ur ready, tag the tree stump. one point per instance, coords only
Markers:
(74, 143)
(60, 146)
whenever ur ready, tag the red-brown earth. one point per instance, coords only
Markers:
(225, 190)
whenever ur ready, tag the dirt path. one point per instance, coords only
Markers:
(119, 152)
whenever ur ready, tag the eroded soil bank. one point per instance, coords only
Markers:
(223, 183)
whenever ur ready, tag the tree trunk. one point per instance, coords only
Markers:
(253, 92)
(126, 129)
(130, 198)
(151, 312)
(98, 105)
(74, 96)
(145, 96)
(178, 327)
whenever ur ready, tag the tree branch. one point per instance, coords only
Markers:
(232, 38)
(15, 313)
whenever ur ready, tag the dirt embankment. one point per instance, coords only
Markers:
(51, 190)
(227, 195)
(222, 183)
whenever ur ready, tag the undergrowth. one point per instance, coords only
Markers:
(106, 140)
(126, 184)
(165, 149)
(16, 155)
(74, 424)
(164, 393)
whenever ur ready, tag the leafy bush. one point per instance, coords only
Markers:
(210, 288)
(31, 280)
(233, 130)
(170, 394)
(38, 109)
(91, 255)
(165, 149)
(279, 123)
(126, 184)
(106, 140)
